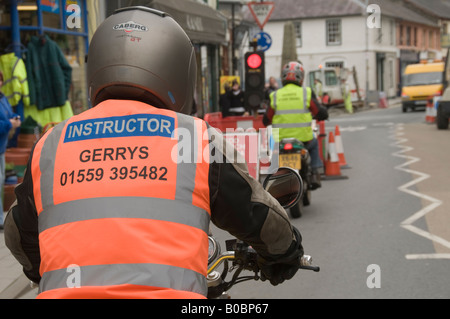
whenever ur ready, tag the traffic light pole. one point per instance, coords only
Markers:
(254, 45)
(233, 48)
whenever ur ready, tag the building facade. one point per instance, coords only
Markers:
(341, 33)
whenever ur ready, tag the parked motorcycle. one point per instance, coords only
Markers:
(286, 186)
(294, 154)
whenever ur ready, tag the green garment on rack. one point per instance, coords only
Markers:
(49, 115)
(49, 73)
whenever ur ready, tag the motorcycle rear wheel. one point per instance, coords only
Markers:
(296, 210)
(307, 198)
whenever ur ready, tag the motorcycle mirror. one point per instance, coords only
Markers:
(285, 185)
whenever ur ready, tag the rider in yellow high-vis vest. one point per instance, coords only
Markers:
(292, 109)
(291, 117)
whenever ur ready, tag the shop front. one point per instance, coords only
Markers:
(206, 28)
(43, 45)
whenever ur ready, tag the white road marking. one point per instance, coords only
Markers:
(428, 256)
(352, 128)
(434, 202)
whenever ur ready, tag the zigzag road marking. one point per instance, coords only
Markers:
(434, 202)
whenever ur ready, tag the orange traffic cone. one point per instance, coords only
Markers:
(340, 148)
(427, 113)
(430, 112)
(332, 167)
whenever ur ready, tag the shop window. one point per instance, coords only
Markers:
(63, 21)
(408, 36)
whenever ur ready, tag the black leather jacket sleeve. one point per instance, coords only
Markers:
(240, 206)
(21, 228)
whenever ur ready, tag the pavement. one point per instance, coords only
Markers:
(14, 284)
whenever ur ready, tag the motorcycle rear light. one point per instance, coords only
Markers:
(288, 147)
(304, 151)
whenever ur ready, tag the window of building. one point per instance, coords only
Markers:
(380, 35)
(402, 37)
(391, 74)
(334, 64)
(424, 38)
(415, 36)
(392, 32)
(408, 36)
(334, 32)
(298, 34)
(331, 78)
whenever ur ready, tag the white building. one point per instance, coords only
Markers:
(340, 33)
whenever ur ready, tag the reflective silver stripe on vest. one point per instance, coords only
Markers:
(124, 207)
(152, 275)
(303, 110)
(295, 111)
(186, 169)
(47, 164)
(291, 125)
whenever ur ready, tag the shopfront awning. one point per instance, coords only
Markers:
(202, 23)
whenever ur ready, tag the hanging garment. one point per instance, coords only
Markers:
(49, 73)
(15, 85)
(49, 115)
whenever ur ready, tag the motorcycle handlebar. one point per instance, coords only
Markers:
(242, 257)
(306, 263)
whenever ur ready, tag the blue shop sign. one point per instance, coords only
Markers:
(50, 6)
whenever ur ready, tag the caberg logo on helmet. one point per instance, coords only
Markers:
(130, 26)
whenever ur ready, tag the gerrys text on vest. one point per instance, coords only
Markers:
(120, 126)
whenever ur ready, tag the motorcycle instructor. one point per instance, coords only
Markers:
(116, 201)
(292, 109)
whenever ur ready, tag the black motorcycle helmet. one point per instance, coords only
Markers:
(142, 54)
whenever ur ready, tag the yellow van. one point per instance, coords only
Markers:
(420, 81)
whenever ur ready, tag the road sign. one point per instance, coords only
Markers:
(50, 6)
(261, 11)
(264, 41)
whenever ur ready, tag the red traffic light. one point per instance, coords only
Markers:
(254, 61)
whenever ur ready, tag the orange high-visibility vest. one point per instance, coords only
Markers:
(123, 208)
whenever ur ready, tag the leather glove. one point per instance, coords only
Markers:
(279, 269)
(322, 114)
